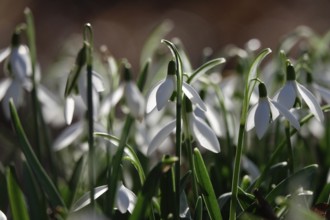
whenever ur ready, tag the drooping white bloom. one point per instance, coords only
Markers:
(292, 89)
(200, 131)
(125, 198)
(161, 93)
(265, 111)
(20, 69)
(133, 97)
(77, 82)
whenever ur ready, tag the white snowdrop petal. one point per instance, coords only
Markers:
(151, 97)
(273, 110)
(131, 199)
(262, 117)
(203, 134)
(311, 101)
(286, 113)
(213, 117)
(111, 100)
(68, 109)
(324, 92)
(97, 82)
(14, 91)
(4, 85)
(287, 95)
(20, 62)
(122, 200)
(85, 199)
(161, 136)
(134, 100)
(250, 118)
(164, 92)
(193, 95)
(2, 216)
(4, 53)
(68, 136)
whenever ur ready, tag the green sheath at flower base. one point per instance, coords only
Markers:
(262, 90)
(290, 72)
(171, 70)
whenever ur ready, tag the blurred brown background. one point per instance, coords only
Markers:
(124, 25)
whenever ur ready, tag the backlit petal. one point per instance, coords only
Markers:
(273, 110)
(20, 62)
(68, 109)
(4, 85)
(311, 101)
(112, 100)
(2, 216)
(262, 118)
(286, 113)
(151, 97)
(68, 136)
(250, 118)
(97, 82)
(134, 100)
(164, 92)
(131, 199)
(85, 199)
(193, 95)
(122, 200)
(324, 92)
(203, 134)
(161, 136)
(287, 95)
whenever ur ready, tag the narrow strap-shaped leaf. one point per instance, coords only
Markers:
(150, 189)
(16, 197)
(74, 181)
(204, 181)
(132, 157)
(42, 177)
(34, 197)
(204, 68)
(167, 194)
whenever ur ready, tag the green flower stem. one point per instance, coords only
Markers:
(289, 145)
(88, 41)
(252, 74)
(280, 146)
(237, 162)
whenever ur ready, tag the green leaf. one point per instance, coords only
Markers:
(74, 181)
(204, 181)
(253, 71)
(16, 197)
(152, 43)
(204, 68)
(301, 178)
(35, 199)
(141, 82)
(324, 195)
(42, 177)
(132, 157)
(167, 196)
(150, 189)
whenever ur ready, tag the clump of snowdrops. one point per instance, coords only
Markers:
(245, 135)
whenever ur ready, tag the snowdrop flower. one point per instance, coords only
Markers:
(19, 66)
(200, 131)
(2, 216)
(77, 82)
(134, 98)
(163, 90)
(125, 198)
(292, 89)
(265, 111)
